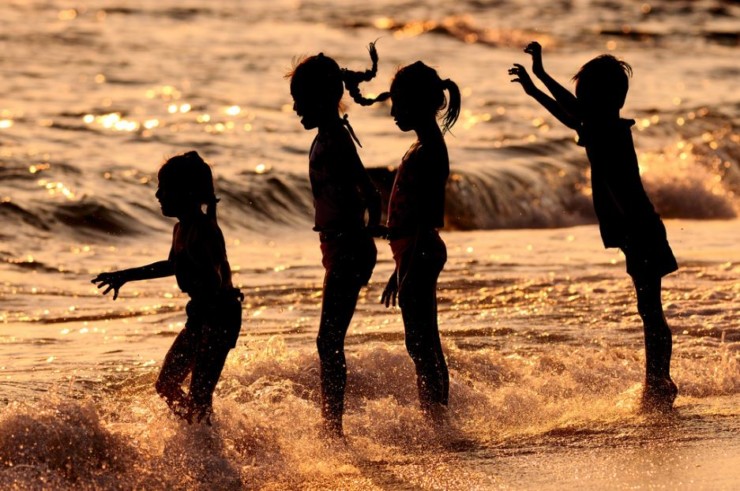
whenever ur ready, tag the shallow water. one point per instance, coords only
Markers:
(542, 339)
(539, 321)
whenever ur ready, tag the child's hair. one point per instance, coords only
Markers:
(320, 77)
(423, 88)
(191, 174)
(603, 82)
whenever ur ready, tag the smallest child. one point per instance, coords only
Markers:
(198, 261)
(626, 216)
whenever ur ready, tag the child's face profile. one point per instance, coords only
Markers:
(411, 105)
(402, 112)
(171, 200)
(308, 111)
(316, 88)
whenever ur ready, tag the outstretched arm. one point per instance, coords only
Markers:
(563, 96)
(116, 279)
(545, 100)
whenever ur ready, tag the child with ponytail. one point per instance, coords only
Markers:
(198, 261)
(343, 193)
(415, 213)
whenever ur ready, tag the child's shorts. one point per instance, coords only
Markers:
(648, 254)
(349, 255)
(428, 250)
(217, 320)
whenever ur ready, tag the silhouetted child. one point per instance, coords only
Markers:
(626, 216)
(415, 213)
(343, 193)
(198, 261)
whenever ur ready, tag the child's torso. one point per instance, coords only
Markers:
(418, 195)
(620, 201)
(338, 202)
(199, 258)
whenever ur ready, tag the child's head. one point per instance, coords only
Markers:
(602, 84)
(417, 93)
(317, 84)
(186, 184)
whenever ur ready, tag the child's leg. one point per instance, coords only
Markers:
(177, 364)
(418, 302)
(210, 358)
(337, 308)
(658, 343)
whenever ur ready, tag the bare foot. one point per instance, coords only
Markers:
(201, 414)
(436, 414)
(178, 402)
(658, 396)
(331, 430)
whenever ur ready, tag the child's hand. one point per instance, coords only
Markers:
(113, 281)
(535, 50)
(391, 291)
(522, 77)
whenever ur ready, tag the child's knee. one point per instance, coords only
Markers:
(652, 316)
(328, 346)
(419, 350)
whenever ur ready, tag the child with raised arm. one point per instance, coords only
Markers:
(626, 216)
(342, 193)
(198, 261)
(415, 213)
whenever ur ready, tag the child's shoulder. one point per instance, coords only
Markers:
(433, 151)
(335, 140)
(208, 224)
(205, 235)
(343, 138)
(434, 146)
(202, 227)
(590, 134)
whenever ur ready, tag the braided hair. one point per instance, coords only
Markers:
(352, 80)
(320, 77)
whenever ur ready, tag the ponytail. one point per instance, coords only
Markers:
(353, 79)
(453, 105)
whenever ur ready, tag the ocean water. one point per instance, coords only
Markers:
(538, 321)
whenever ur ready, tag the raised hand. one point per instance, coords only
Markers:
(535, 49)
(111, 281)
(522, 77)
(391, 291)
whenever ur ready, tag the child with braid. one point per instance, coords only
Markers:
(343, 193)
(198, 260)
